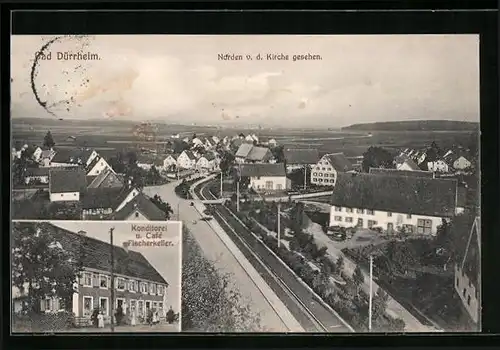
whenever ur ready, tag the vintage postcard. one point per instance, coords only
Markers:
(325, 183)
(96, 276)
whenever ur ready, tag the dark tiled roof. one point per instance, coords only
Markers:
(259, 154)
(236, 142)
(37, 172)
(64, 180)
(96, 254)
(253, 170)
(301, 156)
(96, 181)
(339, 161)
(405, 194)
(91, 179)
(395, 172)
(209, 156)
(74, 156)
(144, 205)
(104, 197)
(244, 150)
(190, 155)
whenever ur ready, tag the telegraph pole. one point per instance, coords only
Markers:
(238, 188)
(370, 300)
(279, 224)
(112, 302)
(305, 176)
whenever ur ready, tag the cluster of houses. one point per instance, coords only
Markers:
(138, 285)
(455, 160)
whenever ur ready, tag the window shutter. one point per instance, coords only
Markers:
(116, 282)
(42, 305)
(55, 304)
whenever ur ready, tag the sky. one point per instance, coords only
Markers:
(166, 260)
(176, 78)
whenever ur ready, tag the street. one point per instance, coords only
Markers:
(215, 250)
(163, 327)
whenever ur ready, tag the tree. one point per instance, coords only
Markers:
(40, 263)
(278, 154)
(357, 277)
(153, 176)
(210, 302)
(19, 167)
(377, 157)
(340, 264)
(164, 206)
(226, 162)
(48, 140)
(380, 301)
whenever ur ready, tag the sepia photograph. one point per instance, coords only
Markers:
(96, 276)
(325, 183)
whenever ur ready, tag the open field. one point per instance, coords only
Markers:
(115, 135)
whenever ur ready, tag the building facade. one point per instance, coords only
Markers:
(416, 205)
(324, 173)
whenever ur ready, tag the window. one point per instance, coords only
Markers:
(88, 305)
(136, 214)
(140, 307)
(136, 286)
(320, 180)
(269, 185)
(464, 291)
(131, 286)
(47, 305)
(155, 305)
(160, 307)
(120, 283)
(152, 288)
(144, 287)
(389, 214)
(323, 168)
(348, 210)
(348, 219)
(320, 174)
(468, 300)
(332, 180)
(160, 289)
(87, 279)
(74, 194)
(369, 212)
(371, 223)
(359, 211)
(338, 218)
(315, 174)
(279, 187)
(103, 281)
(103, 305)
(338, 208)
(408, 228)
(424, 226)
(457, 281)
(408, 216)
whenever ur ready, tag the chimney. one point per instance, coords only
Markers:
(82, 233)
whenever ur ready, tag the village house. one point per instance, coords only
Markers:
(209, 143)
(299, 158)
(46, 157)
(107, 178)
(272, 143)
(99, 203)
(467, 274)
(415, 204)
(37, 154)
(169, 161)
(326, 169)
(140, 208)
(75, 157)
(138, 285)
(458, 160)
(248, 153)
(36, 176)
(145, 162)
(197, 142)
(439, 166)
(97, 166)
(66, 184)
(406, 163)
(186, 160)
(207, 162)
(215, 140)
(266, 177)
